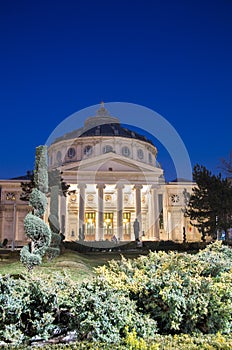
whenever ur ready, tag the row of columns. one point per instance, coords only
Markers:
(153, 211)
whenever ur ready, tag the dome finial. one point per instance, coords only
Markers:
(102, 110)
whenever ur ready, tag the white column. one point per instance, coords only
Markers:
(138, 213)
(81, 214)
(119, 188)
(156, 213)
(150, 212)
(100, 221)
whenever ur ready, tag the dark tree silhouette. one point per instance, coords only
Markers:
(210, 204)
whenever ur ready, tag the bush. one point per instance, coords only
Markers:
(160, 342)
(26, 309)
(181, 292)
(127, 303)
(41, 307)
(101, 313)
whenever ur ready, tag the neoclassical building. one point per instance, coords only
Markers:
(114, 179)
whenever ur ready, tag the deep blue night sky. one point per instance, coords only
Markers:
(57, 57)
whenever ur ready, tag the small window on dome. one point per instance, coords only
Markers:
(126, 151)
(140, 153)
(71, 152)
(150, 158)
(107, 149)
(88, 150)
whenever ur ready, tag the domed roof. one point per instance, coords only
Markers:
(103, 124)
(114, 129)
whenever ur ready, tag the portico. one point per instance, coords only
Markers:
(108, 211)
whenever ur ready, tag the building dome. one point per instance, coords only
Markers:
(102, 134)
(103, 124)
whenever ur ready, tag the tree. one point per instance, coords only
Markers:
(227, 165)
(210, 204)
(35, 228)
(56, 186)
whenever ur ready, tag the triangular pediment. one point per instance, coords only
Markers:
(110, 162)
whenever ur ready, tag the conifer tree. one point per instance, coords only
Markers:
(210, 204)
(35, 228)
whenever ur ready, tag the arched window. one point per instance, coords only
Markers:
(125, 151)
(140, 153)
(88, 150)
(71, 152)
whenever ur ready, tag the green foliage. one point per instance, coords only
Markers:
(52, 253)
(26, 309)
(128, 303)
(39, 232)
(29, 259)
(102, 312)
(210, 205)
(38, 201)
(35, 227)
(36, 307)
(179, 291)
(40, 172)
(160, 342)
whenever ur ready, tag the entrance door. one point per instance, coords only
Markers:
(90, 226)
(126, 226)
(108, 226)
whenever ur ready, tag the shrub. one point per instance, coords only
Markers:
(40, 307)
(101, 313)
(181, 292)
(26, 309)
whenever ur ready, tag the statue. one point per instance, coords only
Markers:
(136, 230)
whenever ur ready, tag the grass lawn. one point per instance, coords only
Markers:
(79, 266)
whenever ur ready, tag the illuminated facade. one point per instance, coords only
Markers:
(114, 178)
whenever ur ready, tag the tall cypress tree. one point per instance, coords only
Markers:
(35, 228)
